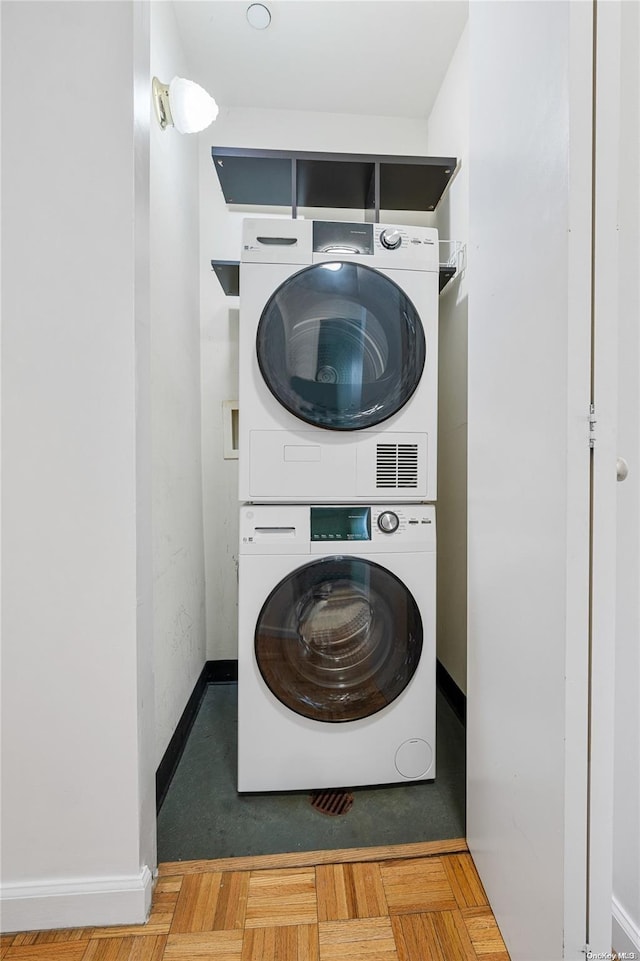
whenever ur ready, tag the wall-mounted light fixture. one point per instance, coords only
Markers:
(183, 104)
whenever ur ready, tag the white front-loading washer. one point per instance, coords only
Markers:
(336, 647)
(338, 355)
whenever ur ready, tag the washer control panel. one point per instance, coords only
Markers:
(388, 527)
(397, 524)
(336, 528)
(340, 523)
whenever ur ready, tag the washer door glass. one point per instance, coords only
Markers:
(341, 346)
(338, 639)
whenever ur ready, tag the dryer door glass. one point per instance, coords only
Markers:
(341, 346)
(338, 639)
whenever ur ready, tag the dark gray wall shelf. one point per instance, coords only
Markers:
(286, 178)
(374, 182)
(228, 273)
(446, 274)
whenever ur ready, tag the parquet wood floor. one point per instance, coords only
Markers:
(366, 905)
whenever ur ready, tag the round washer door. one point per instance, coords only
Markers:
(338, 639)
(341, 346)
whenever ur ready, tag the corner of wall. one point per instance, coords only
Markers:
(448, 134)
(178, 545)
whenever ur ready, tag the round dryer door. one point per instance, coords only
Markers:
(338, 639)
(341, 346)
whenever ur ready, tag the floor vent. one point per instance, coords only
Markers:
(333, 803)
(397, 465)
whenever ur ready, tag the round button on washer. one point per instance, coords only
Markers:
(388, 522)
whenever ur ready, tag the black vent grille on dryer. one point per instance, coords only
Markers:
(397, 466)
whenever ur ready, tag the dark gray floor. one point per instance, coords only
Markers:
(203, 816)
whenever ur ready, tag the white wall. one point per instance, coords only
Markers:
(220, 239)
(178, 551)
(448, 135)
(626, 782)
(77, 787)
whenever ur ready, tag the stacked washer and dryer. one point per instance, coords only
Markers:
(337, 566)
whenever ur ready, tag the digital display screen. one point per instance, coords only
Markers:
(340, 523)
(341, 237)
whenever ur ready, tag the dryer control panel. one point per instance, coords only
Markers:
(392, 244)
(318, 241)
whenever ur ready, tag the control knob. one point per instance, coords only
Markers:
(388, 522)
(391, 238)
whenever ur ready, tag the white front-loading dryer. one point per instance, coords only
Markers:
(336, 647)
(338, 362)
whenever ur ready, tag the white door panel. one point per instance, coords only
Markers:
(528, 457)
(626, 779)
(605, 398)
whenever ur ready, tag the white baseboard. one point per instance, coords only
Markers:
(626, 931)
(87, 902)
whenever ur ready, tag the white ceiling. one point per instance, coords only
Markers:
(379, 57)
